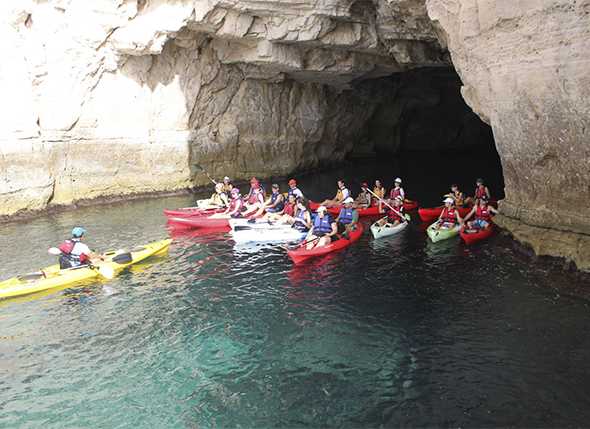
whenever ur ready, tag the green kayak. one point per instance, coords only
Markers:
(441, 233)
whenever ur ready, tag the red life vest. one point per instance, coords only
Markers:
(66, 249)
(393, 216)
(448, 215)
(483, 213)
(289, 209)
(480, 192)
(395, 192)
(236, 203)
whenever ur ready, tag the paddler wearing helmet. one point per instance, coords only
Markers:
(481, 190)
(255, 197)
(364, 198)
(275, 202)
(347, 218)
(235, 208)
(227, 185)
(483, 215)
(219, 198)
(73, 253)
(457, 195)
(397, 190)
(378, 190)
(341, 194)
(323, 229)
(294, 190)
(449, 216)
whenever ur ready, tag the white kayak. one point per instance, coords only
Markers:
(248, 224)
(387, 230)
(284, 233)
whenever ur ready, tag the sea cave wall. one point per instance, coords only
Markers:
(123, 97)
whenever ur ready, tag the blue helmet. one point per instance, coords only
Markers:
(78, 232)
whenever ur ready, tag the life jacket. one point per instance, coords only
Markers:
(254, 198)
(227, 188)
(392, 216)
(217, 200)
(458, 196)
(364, 198)
(273, 199)
(346, 215)
(299, 223)
(342, 194)
(66, 249)
(448, 215)
(236, 204)
(292, 191)
(395, 192)
(380, 192)
(322, 225)
(483, 213)
(480, 192)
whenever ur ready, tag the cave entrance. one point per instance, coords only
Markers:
(422, 130)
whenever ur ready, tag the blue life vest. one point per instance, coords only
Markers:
(279, 207)
(293, 192)
(322, 225)
(299, 223)
(346, 216)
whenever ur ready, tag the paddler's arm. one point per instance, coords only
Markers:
(459, 219)
(334, 229)
(469, 214)
(492, 210)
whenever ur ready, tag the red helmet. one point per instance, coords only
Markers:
(292, 182)
(254, 181)
(364, 185)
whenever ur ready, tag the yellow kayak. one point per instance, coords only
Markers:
(52, 277)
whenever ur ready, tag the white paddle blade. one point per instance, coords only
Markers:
(54, 251)
(106, 271)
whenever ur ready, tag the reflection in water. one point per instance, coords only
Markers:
(395, 332)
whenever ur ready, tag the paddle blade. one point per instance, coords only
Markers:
(106, 271)
(54, 251)
(123, 258)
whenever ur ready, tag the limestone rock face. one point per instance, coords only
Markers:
(116, 97)
(524, 67)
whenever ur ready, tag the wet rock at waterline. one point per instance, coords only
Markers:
(128, 97)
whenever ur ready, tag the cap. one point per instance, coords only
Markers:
(235, 191)
(292, 182)
(226, 179)
(274, 185)
(78, 232)
(349, 200)
(321, 209)
(398, 180)
(449, 200)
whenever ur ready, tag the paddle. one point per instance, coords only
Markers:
(202, 170)
(405, 216)
(301, 244)
(103, 270)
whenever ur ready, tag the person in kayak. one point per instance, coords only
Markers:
(393, 217)
(348, 218)
(235, 208)
(302, 219)
(449, 217)
(274, 204)
(340, 196)
(227, 185)
(378, 190)
(481, 190)
(74, 253)
(323, 230)
(219, 198)
(457, 195)
(483, 215)
(363, 199)
(294, 190)
(397, 190)
(255, 198)
(287, 214)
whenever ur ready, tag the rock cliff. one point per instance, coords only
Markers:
(121, 97)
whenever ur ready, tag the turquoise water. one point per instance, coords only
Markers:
(389, 333)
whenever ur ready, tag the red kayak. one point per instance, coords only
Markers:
(479, 235)
(432, 214)
(301, 254)
(199, 222)
(191, 212)
(369, 211)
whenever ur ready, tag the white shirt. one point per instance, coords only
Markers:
(80, 249)
(345, 193)
(297, 192)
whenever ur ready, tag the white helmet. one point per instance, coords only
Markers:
(398, 180)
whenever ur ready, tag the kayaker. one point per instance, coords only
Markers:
(397, 190)
(219, 197)
(393, 217)
(255, 197)
(483, 215)
(363, 199)
(227, 185)
(457, 195)
(481, 190)
(449, 217)
(74, 253)
(323, 230)
(274, 204)
(288, 212)
(348, 217)
(235, 208)
(302, 218)
(294, 190)
(340, 196)
(378, 190)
